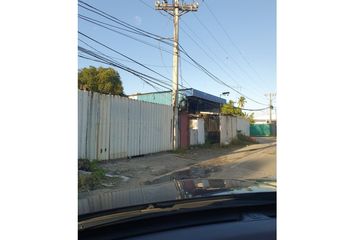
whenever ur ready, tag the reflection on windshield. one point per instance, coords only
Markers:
(169, 191)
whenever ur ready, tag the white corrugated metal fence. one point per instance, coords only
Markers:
(112, 127)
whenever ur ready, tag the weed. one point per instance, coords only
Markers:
(246, 139)
(92, 180)
(179, 151)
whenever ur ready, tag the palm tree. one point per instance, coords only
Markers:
(241, 102)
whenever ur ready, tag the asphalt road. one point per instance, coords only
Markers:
(260, 162)
(251, 162)
(256, 161)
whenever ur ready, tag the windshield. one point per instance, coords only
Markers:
(176, 101)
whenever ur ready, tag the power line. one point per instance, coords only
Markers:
(202, 48)
(98, 56)
(215, 78)
(147, 34)
(142, 76)
(121, 54)
(255, 89)
(147, 5)
(211, 58)
(232, 42)
(164, 50)
(182, 79)
(254, 110)
(220, 45)
(134, 61)
(120, 22)
(126, 35)
(112, 64)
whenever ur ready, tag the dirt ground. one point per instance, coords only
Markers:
(191, 163)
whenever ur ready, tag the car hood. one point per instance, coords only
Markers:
(171, 191)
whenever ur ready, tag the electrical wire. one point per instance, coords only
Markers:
(141, 42)
(211, 58)
(220, 45)
(142, 76)
(134, 61)
(215, 78)
(131, 37)
(232, 42)
(151, 35)
(122, 23)
(147, 5)
(205, 51)
(223, 69)
(123, 55)
(98, 56)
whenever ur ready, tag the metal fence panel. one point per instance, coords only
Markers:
(145, 127)
(103, 127)
(119, 128)
(112, 127)
(82, 123)
(134, 128)
(92, 126)
(155, 127)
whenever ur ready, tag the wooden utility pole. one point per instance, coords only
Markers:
(176, 10)
(270, 95)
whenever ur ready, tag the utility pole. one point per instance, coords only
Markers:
(270, 95)
(176, 10)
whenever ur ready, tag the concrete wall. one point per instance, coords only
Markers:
(228, 130)
(111, 127)
(243, 125)
(230, 125)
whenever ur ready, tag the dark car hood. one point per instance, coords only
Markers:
(169, 191)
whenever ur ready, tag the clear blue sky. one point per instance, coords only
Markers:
(251, 24)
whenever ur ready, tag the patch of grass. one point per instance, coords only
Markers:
(240, 140)
(93, 179)
(246, 139)
(179, 151)
(205, 145)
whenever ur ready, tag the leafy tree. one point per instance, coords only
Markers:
(101, 80)
(230, 109)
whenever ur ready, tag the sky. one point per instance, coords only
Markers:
(244, 57)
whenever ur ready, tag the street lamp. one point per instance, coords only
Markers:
(224, 94)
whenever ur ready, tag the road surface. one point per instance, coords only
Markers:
(251, 162)
(259, 163)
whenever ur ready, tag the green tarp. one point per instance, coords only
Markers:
(260, 130)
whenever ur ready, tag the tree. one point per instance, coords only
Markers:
(250, 118)
(101, 80)
(241, 102)
(229, 109)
